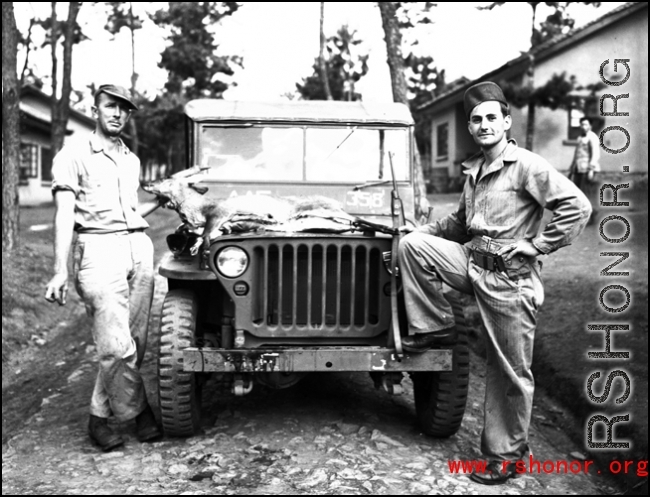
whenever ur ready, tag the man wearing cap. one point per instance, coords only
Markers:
(95, 185)
(499, 218)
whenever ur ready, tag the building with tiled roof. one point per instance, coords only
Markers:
(622, 33)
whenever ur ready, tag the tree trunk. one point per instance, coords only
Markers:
(135, 144)
(61, 106)
(321, 56)
(393, 39)
(530, 118)
(10, 131)
(530, 126)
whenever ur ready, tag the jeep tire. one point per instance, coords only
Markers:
(178, 390)
(440, 397)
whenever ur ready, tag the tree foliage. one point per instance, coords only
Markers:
(344, 66)
(71, 33)
(424, 82)
(191, 58)
(194, 67)
(554, 93)
(558, 22)
(120, 16)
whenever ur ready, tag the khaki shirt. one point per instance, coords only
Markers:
(105, 186)
(507, 202)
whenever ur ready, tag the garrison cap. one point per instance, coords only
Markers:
(483, 92)
(118, 92)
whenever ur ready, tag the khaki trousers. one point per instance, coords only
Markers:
(115, 279)
(508, 303)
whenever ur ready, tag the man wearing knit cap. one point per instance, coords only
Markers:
(95, 184)
(489, 248)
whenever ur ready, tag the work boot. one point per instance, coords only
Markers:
(102, 434)
(146, 426)
(421, 342)
(494, 474)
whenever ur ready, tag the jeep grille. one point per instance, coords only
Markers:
(316, 287)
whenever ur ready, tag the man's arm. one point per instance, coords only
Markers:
(452, 227)
(57, 287)
(146, 208)
(571, 209)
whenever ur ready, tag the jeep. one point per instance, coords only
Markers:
(270, 306)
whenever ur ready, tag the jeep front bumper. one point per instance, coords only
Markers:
(288, 360)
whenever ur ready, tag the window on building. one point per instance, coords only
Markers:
(46, 164)
(442, 141)
(575, 114)
(588, 106)
(28, 162)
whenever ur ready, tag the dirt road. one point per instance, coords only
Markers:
(330, 433)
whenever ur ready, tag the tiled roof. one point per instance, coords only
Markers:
(548, 48)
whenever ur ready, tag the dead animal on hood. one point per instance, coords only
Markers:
(209, 217)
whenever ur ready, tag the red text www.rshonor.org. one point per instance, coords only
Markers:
(533, 466)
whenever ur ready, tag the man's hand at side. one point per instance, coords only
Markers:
(57, 288)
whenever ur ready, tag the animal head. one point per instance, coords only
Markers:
(178, 187)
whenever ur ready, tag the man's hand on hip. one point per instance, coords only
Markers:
(522, 247)
(57, 289)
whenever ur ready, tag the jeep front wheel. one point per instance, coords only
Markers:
(178, 390)
(440, 397)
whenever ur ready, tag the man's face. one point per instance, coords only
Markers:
(112, 114)
(487, 125)
(585, 126)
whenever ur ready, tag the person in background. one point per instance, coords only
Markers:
(585, 163)
(499, 215)
(95, 185)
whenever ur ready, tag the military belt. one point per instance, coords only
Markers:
(489, 261)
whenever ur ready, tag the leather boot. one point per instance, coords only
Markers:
(102, 434)
(421, 342)
(146, 426)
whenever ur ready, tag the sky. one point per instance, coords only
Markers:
(280, 40)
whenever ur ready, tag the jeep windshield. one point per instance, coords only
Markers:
(325, 154)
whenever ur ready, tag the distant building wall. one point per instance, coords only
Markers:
(626, 39)
(36, 154)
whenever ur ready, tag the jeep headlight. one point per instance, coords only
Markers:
(231, 262)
